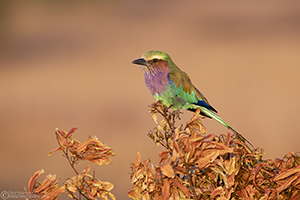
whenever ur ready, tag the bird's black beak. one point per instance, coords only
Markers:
(140, 61)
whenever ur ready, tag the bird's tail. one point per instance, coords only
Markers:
(221, 121)
(242, 138)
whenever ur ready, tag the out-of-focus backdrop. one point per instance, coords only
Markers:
(67, 64)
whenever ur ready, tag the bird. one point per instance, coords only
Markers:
(174, 88)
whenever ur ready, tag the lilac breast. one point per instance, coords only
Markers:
(157, 81)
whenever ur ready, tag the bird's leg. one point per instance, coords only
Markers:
(171, 105)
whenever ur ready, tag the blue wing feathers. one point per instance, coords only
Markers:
(204, 104)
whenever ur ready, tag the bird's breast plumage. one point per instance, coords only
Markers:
(157, 81)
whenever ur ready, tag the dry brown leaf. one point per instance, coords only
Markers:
(53, 193)
(134, 193)
(163, 155)
(166, 189)
(71, 132)
(288, 182)
(167, 170)
(46, 183)
(287, 173)
(154, 117)
(185, 191)
(33, 179)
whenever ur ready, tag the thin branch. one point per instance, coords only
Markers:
(70, 162)
(66, 154)
(187, 167)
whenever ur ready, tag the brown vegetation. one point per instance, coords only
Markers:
(194, 165)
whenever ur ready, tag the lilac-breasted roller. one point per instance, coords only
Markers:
(172, 86)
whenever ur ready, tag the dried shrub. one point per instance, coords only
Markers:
(81, 185)
(195, 165)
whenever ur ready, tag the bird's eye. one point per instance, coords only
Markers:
(155, 60)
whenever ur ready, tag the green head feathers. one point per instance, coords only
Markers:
(160, 55)
(150, 56)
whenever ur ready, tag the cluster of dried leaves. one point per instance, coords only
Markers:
(195, 165)
(83, 184)
(48, 189)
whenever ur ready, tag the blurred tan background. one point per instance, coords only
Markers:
(67, 64)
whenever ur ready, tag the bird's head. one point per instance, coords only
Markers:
(152, 60)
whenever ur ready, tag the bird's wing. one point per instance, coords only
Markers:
(186, 90)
